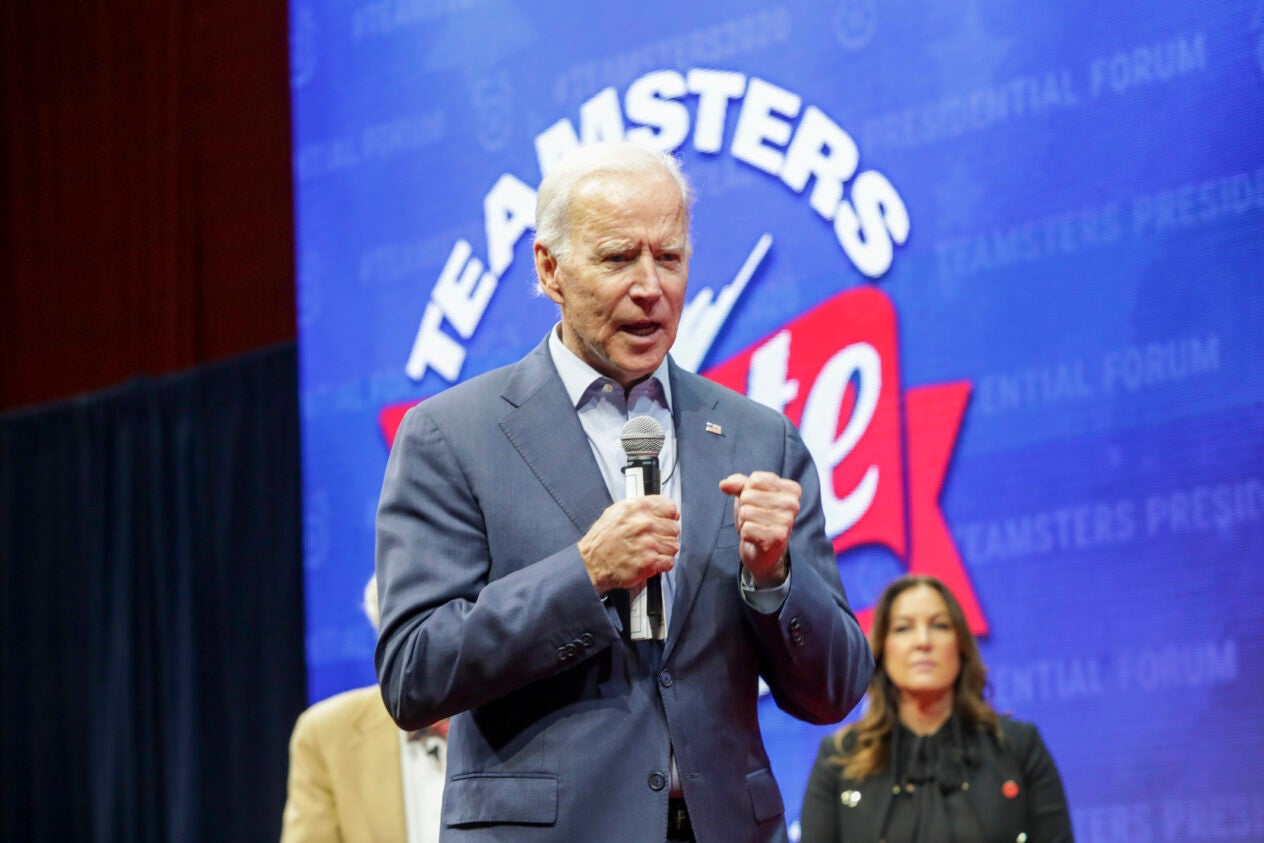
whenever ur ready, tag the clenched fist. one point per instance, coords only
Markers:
(764, 509)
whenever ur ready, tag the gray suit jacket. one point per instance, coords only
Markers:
(564, 730)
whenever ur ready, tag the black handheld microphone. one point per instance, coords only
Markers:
(642, 440)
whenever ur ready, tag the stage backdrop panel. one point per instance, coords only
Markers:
(999, 261)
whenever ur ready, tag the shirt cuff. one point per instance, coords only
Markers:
(766, 601)
(612, 611)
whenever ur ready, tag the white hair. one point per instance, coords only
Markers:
(557, 189)
(370, 602)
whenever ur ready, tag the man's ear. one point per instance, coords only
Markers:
(546, 271)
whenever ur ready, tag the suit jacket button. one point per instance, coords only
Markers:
(657, 781)
(586, 640)
(665, 679)
(566, 652)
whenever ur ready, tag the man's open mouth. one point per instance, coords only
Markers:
(641, 329)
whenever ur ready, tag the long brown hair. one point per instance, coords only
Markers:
(867, 752)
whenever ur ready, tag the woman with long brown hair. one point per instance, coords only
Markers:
(931, 761)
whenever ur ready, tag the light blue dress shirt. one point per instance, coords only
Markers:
(604, 408)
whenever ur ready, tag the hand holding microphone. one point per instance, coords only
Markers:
(633, 539)
(636, 539)
(642, 440)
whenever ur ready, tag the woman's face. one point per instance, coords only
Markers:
(921, 654)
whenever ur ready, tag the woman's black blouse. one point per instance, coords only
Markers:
(960, 784)
(932, 802)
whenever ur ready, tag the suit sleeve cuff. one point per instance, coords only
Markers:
(766, 601)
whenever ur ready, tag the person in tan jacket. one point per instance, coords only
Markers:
(347, 770)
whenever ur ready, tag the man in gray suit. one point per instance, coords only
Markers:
(506, 548)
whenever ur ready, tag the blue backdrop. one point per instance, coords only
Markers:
(1000, 261)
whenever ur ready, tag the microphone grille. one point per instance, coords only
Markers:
(642, 437)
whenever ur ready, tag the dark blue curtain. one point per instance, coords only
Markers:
(151, 608)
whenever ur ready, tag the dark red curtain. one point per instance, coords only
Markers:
(146, 189)
(150, 559)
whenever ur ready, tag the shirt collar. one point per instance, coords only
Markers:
(578, 377)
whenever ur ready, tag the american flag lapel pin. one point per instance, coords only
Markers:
(712, 427)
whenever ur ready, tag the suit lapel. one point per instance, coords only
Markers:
(542, 424)
(987, 785)
(877, 791)
(706, 458)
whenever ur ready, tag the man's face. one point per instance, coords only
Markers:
(621, 288)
